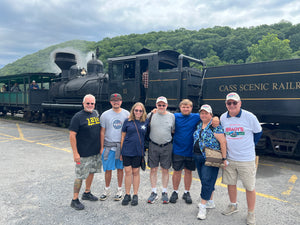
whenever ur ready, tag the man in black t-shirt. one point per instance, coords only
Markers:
(85, 143)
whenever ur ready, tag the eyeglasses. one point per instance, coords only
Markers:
(92, 103)
(229, 103)
(161, 105)
(138, 110)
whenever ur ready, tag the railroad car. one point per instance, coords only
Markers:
(24, 100)
(271, 90)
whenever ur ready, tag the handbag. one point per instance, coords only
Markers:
(143, 162)
(213, 158)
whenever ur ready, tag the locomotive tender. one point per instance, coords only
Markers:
(271, 90)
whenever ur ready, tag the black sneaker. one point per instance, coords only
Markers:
(89, 196)
(76, 204)
(135, 200)
(187, 198)
(174, 197)
(126, 199)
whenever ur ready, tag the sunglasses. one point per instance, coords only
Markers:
(138, 110)
(233, 103)
(161, 105)
(92, 103)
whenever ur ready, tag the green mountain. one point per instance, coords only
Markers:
(42, 60)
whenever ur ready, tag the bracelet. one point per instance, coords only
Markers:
(224, 159)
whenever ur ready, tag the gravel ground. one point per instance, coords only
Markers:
(37, 175)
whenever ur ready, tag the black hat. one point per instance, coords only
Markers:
(115, 96)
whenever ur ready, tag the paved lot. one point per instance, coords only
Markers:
(37, 174)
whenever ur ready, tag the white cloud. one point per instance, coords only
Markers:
(31, 25)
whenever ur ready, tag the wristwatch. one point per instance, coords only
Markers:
(223, 159)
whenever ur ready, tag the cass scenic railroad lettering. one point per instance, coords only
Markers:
(275, 86)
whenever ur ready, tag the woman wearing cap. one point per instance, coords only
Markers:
(207, 136)
(132, 150)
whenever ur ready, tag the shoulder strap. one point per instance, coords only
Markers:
(139, 137)
(151, 114)
(212, 128)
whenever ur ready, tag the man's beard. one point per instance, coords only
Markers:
(161, 111)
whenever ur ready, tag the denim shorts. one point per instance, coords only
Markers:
(208, 176)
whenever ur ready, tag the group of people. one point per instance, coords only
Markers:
(116, 141)
(16, 88)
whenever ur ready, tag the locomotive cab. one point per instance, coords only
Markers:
(169, 74)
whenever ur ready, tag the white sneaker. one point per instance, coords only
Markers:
(251, 218)
(202, 213)
(230, 209)
(119, 195)
(105, 194)
(210, 205)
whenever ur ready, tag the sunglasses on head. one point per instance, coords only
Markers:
(233, 103)
(161, 105)
(138, 110)
(92, 103)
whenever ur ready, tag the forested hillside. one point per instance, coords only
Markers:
(217, 46)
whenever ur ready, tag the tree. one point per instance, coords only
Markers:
(295, 41)
(213, 60)
(270, 47)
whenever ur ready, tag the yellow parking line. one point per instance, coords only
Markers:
(219, 183)
(20, 132)
(292, 181)
(50, 146)
(21, 137)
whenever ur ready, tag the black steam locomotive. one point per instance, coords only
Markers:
(271, 90)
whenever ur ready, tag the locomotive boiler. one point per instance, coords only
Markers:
(67, 91)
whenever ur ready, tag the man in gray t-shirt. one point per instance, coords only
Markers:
(160, 147)
(111, 128)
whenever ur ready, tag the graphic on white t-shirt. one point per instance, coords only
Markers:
(235, 131)
(117, 124)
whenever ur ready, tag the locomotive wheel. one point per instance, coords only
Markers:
(37, 117)
(4, 113)
(27, 116)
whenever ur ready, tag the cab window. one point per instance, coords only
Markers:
(129, 70)
(117, 72)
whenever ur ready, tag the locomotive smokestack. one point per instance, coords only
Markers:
(64, 61)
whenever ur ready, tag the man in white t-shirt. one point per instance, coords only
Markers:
(111, 128)
(242, 131)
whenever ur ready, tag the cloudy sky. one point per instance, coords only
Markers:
(27, 26)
